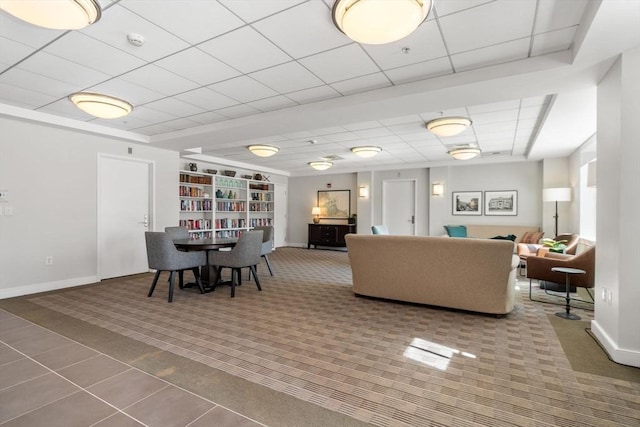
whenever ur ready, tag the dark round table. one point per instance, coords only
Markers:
(207, 272)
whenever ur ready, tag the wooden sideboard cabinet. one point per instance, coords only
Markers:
(329, 234)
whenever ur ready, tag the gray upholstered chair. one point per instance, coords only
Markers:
(178, 233)
(246, 253)
(379, 229)
(163, 256)
(267, 243)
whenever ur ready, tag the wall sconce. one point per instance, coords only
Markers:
(437, 189)
(363, 192)
(316, 212)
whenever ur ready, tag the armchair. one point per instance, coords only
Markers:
(539, 267)
(526, 250)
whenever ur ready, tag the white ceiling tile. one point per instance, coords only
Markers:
(175, 107)
(180, 123)
(373, 132)
(372, 124)
(420, 71)
(536, 100)
(198, 66)
(251, 10)
(289, 77)
(17, 30)
(495, 117)
(532, 112)
(158, 79)
(238, 111)
(354, 62)
(495, 106)
(313, 94)
(447, 7)
(154, 129)
(509, 51)
(12, 51)
(92, 53)
(553, 41)
(191, 20)
(150, 115)
(131, 92)
(14, 95)
(36, 83)
(63, 70)
(126, 123)
(424, 44)
(117, 22)
(64, 107)
(273, 103)
(557, 14)
(362, 84)
(206, 98)
(487, 25)
(341, 137)
(312, 25)
(243, 89)
(246, 50)
(403, 120)
(208, 117)
(406, 128)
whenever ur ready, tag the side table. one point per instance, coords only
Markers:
(568, 272)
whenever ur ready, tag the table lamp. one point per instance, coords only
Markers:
(560, 194)
(316, 211)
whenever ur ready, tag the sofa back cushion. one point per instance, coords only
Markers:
(456, 230)
(532, 237)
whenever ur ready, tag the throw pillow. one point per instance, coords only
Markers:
(456, 230)
(532, 237)
(511, 237)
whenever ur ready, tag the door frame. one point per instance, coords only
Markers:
(152, 200)
(415, 200)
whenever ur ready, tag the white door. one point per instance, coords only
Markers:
(280, 213)
(123, 215)
(399, 206)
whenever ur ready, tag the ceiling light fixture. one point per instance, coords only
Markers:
(58, 14)
(448, 126)
(379, 21)
(263, 150)
(320, 165)
(101, 106)
(366, 151)
(464, 153)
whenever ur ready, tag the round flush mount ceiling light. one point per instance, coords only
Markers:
(320, 165)
(379, 21)
(101, 106)
(263, 150)
(464, 153)
(366, 151)
(55, 14)
(448, 126)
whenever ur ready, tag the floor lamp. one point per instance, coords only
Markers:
(561, 194)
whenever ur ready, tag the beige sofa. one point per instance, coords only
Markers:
(485, 231)
(469, 274)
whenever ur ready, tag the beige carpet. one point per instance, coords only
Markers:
(307, 338)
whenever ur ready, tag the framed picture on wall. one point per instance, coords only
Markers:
(501, 202)
(334, 204)
(466, 202)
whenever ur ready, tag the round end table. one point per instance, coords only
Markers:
(568, 272)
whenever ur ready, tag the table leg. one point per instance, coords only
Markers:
(567, 314)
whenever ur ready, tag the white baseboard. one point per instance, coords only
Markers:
(47, 286)
(619, 355)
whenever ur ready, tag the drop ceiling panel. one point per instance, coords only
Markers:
(66, 108)
(20, 97)
(238, 111)
(13, 51)
(158, 79)
(246, 50)
(354, 62)
(420, 71)
(273, 103)
(175, 107)
(557, 14)
(498, 54)
(448, 7)
(63, 70)
(14, 29)
(206, 99)
(198, 66)
(36, 83)
(553, 41)
(313, 94)
(361, 84)
(251, 10)
(243, 89)
(289, 77)
(207, 118)
(133, 93)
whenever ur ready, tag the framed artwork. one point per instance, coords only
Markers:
(466, 202)
(334, 204)
(501, 202)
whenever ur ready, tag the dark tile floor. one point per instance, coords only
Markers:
(49, 380)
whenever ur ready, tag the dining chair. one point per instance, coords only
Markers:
(178, 233)
(267, 244)
(246, 253)
(162, 255)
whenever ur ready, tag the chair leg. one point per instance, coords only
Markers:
(266, 258)
(154, 283)
(252, 268)
(181, 279)
(235, 273)
(171, 286)
(196, 274)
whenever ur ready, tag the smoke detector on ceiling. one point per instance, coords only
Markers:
(135, 39)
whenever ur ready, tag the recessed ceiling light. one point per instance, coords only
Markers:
(101, 106)
(55, 14)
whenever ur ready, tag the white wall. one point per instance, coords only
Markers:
(524, 177)
(617, 316)
(51, 176)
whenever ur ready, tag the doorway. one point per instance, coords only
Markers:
(399, 206)
(124, 214)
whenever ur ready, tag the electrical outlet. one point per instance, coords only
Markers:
(48, 260)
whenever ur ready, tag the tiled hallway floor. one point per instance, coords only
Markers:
(49, 380)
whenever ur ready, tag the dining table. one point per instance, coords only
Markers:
(208, 272)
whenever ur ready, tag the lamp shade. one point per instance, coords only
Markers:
(560, 194)
(315, 210)
(320, 165)
(366, 151)
(263, 150)
(55, 14)
(379, 21)
(464, 153)
(101, 106)
(448, 126)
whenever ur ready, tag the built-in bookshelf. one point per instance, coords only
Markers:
(223, 206)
